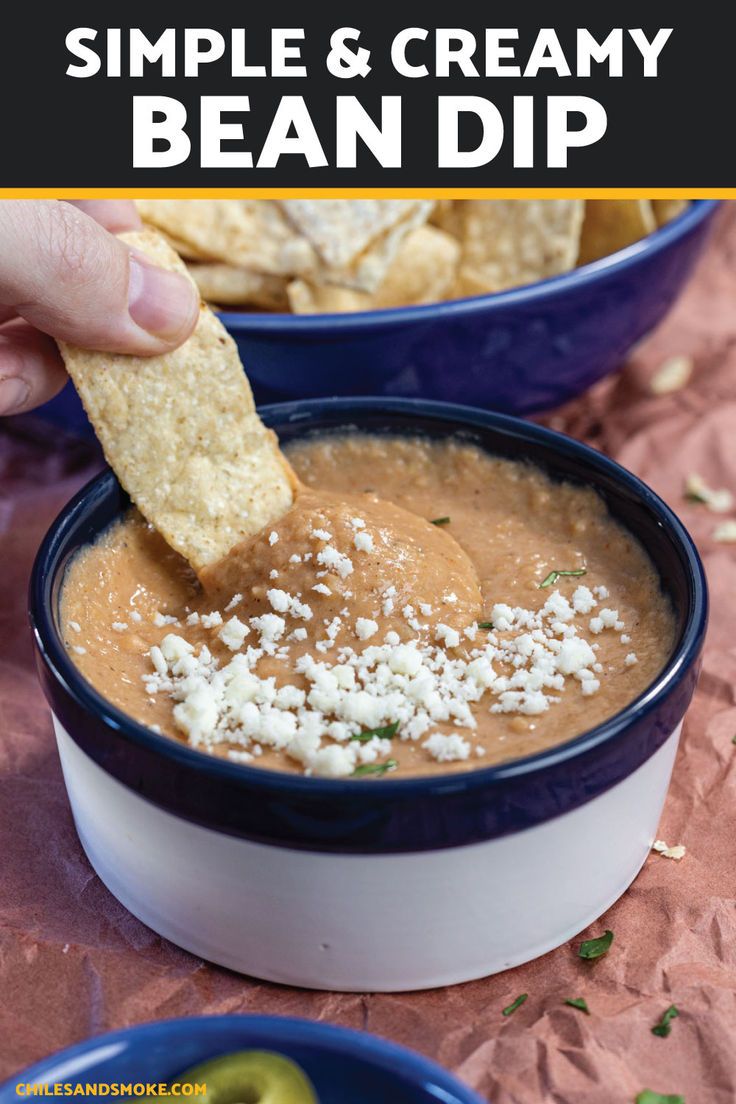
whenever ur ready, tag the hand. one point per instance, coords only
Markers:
(63, 274)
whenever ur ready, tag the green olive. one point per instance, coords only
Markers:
(250, 1077)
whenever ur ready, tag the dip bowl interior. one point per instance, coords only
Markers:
(343, 1065)
(304, 878)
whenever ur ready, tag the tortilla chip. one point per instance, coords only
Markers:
(181, 433)
(186, 251)
(340, 229)
(237, 287)
(508, 243)
(306, 298)
(447, 216)
(249, 233)
(423, 271)
(667, 209)
(369, 269)
(356, 239)
(612, 224)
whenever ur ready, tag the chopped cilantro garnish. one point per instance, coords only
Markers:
(441, 521)
(375, 768)
(694, 496)
(489, 625)
(515, 1004)
(555, 575)
(579, 1002)
(663, 1028)
(646, 1096)
(385, 733)
(594, 948)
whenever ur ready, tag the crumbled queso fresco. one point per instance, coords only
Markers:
(520, 667)
(323, 660)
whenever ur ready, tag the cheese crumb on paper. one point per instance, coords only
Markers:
(677, 852)
(672, 375)
(718, 501)
(725, 532)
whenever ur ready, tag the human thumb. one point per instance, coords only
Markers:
(70, 278)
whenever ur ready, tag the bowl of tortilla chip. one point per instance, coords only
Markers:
(512, 305)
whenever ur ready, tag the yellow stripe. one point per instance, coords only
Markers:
(367, 193)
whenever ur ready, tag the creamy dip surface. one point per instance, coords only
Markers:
(402, 618)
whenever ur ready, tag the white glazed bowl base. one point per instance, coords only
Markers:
(366, 923)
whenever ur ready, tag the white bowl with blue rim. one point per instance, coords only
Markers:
(376, 884)
(345, 1067)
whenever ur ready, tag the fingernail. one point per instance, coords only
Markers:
(14, 394)
(162, 303)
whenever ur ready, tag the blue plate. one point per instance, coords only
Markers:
(519, 351)
(346, 1067)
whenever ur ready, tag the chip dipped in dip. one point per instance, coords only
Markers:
(422, 608)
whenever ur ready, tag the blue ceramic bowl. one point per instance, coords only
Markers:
(325, 866)
(346, 1067)
(518, 351)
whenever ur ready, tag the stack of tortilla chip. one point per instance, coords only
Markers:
(314, 256)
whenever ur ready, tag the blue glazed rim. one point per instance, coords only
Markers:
(577, 279)
(378, 816)
(413, 1069)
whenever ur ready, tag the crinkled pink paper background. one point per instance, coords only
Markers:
(74, 963)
